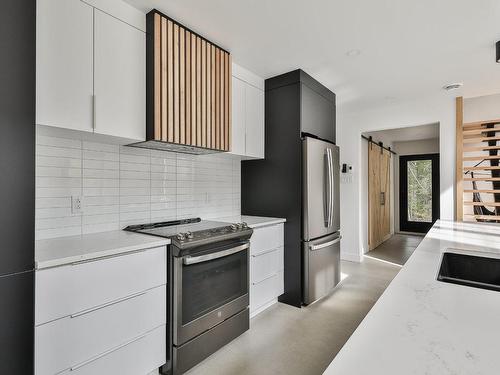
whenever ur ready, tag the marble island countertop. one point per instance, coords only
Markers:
(424, 326)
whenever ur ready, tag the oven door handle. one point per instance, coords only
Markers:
(187, 260)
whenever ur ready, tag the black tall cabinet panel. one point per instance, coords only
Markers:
(17, 135)
(295, 103)
(16, 323)
(17, 185)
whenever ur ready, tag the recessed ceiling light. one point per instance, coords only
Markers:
(453, 86)
(353, 52)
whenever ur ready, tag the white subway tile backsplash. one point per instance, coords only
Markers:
(122, 185)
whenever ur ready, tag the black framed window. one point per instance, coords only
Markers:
(418, 192)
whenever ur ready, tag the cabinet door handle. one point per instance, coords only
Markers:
(265, 278)
(88, 311)
(94, 123)
(265, 252)
(74, 368)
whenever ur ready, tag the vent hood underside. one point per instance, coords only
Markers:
(175, 147)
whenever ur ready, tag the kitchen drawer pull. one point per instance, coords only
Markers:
(265, 278)
(326, 244)
(84, 363)
(265, 252)
(92, 309)
(78, 262)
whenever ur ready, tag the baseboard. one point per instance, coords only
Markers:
(350, 257)
(263, 307)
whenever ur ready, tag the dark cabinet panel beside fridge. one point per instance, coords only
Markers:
(17, 185)
(298, 110)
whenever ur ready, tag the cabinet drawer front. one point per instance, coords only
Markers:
(266, 238)
(64, 342)
(265, 264)
(141, 356)
(70, 289)
(266, 290)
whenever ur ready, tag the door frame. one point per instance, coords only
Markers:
(413, 226)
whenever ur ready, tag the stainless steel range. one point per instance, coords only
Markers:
(209, 286)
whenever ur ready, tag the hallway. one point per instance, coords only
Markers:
(396, 249)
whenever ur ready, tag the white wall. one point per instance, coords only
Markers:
(424, 146)
(123, 185)
(350, 125)
(482, 108)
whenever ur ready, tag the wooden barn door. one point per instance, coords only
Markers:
(379, 188)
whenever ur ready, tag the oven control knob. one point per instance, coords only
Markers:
(240, 225)
(244, 225)
(234, 226)
(181, 236)
(189, 235)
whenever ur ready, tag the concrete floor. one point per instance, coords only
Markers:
(396, 249)
(287, 340)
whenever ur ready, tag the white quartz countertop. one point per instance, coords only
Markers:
(254, 221)
(424, 326)
(65, 250)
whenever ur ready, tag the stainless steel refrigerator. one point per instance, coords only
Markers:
(320, 218)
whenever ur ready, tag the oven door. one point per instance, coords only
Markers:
(209, 287)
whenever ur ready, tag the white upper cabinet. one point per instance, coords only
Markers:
(254, 121)
(248, 135)
(120, 78)
(238, 146)
(91, 67)
(64, 64)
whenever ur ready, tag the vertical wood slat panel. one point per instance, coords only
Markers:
(209, 95)
(217, 99)
(229, 106)
(226, 102)
(170, 81)
(204, 93)
(198, 92)
(188, 87)
(164, 80)
(222, 101)
(193, 90)
(157, 76)
(212, 96)
(176, 83)
(182, 86)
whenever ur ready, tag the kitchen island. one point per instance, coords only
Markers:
(424, 326)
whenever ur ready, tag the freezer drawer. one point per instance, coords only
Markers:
(321, 267)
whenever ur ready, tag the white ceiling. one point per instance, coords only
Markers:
(408, 49)
(412, 133)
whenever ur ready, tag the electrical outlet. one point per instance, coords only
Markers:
(76, 205)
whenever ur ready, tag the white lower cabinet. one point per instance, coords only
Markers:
(266, 267)
(112, 319)
(139, 356)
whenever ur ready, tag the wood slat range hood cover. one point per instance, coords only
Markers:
(188, 90)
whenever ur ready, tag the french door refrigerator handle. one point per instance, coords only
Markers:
(326, 244)
(327, 188)
(330, 190)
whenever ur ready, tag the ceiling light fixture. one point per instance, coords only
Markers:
(498, 51)
(453, 86)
